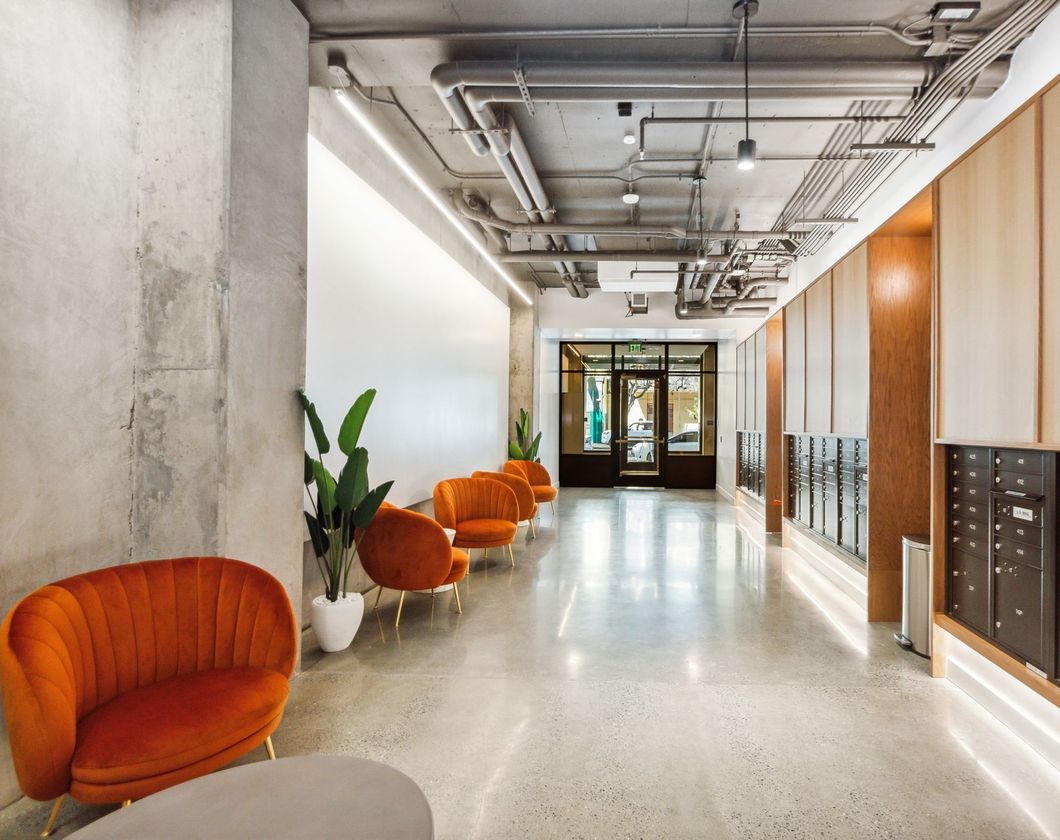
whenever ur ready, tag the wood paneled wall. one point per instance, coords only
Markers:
(795, 365)
(1050, 384)
(819, 356)
(850, 344)
(988, 290)
(898, 371)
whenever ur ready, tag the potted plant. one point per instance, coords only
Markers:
(523, 449)
(342, 509)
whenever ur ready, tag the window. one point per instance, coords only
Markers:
(585, 399)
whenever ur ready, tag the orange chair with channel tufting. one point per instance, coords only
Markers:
(127, 680)
(538, 478)
(483, 512)
(408, 551)
(524, 494)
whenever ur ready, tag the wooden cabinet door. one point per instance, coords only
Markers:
(819, 356)
(850, 344)
(988, 290)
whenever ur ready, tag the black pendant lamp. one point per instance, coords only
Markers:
(747, 150)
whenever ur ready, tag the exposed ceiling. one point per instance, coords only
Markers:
(391, 48)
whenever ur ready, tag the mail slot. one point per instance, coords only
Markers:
(969, 492)
(1028, 511)
(1020, 460)
(969, 510)
(973, 545)
(971, 456)
(973, 475)
(969, 595)
(1018, 531)
(1012, 550)
(1018, 611)
(1014, 482)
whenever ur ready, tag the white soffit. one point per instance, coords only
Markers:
(641, 276)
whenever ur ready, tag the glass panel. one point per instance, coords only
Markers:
(692, 358)
(636, 355)
(638, 446)
(586, 357)
(684, 414)
(585, 406)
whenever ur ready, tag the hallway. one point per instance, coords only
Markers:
(647, 670)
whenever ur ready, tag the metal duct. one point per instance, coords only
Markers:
(661, 231)
(599, 256)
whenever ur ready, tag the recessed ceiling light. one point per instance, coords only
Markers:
(954, 12)
(630, 198)
(628, 138)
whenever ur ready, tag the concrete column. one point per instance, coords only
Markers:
(218, 433)
(522, 367)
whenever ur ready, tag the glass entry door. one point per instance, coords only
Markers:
(640, 429)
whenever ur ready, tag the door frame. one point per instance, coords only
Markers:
(659, 430)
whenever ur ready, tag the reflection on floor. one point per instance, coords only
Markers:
(651, 668)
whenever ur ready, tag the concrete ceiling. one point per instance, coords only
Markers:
(579, 140)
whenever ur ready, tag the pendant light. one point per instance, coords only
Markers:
(747, 149)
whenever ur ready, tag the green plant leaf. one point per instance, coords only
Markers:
(366, 510)
(317, 536)
(532, 454)
(307, 477)
(515, 452)
(325, 485)
(350, 431)
(353, 481)
(323, 444)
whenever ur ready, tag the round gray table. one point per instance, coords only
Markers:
(319, 796)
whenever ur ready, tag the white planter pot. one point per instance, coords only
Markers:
(335, 623)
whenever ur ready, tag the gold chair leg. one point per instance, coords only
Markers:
(378, 595)
(269, 748)
(511, 554)
(553, 506)
(533, 530)
(401, 604)
(456, 594)
(126, 803)
(48, 826)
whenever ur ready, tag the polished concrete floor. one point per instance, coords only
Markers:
(653, 669)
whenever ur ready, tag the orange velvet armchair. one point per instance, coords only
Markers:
(484, 513)
(524, 494)
(127, 680)
(538, 478)
(407, 551)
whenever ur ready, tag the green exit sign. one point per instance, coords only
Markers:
(634, 348)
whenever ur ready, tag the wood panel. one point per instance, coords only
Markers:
(741, 364)
(1050, 384)
(819, 356)
(988, 290)
(760, 380)
(850, 344)
(795, 365)
(898, 368)
(773, 332)
(749, 383)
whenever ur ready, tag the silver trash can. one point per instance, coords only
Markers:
(916, 595)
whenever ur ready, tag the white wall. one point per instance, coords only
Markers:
(726, 452)
(388, 308)
(548, 405)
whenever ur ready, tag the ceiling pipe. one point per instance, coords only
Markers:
(661, 231)
(600, 256)
(621, 33)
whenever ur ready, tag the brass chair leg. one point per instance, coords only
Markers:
(456, 594)
(401, 604)
(126, 803)
(378, 595)
(511, 554)
(48, 826)
(553, 506)
(269, 748)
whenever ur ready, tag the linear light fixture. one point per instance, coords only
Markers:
(429, 193)
(892, 147)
